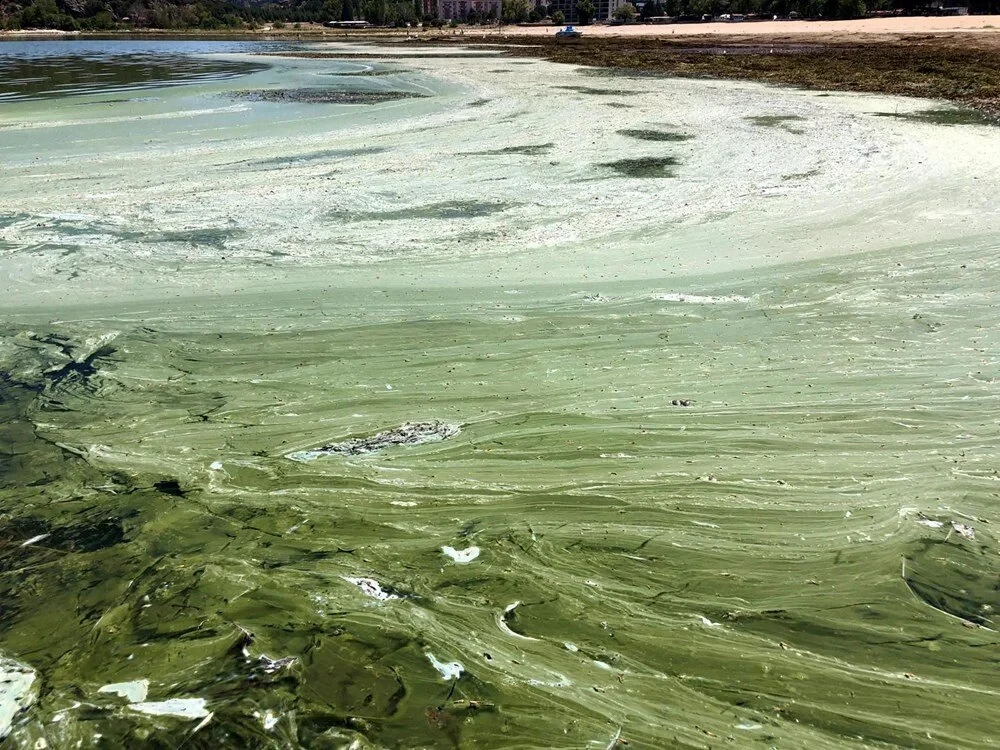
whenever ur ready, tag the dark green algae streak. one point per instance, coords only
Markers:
(751, 570)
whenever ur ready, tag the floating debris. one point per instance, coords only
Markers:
(699, 299)
(450, 671)
(268, 720)
(410, 433)
(649, 134)
(616, 740)
(35, 539)
(182, 708)
(966, 531)
(16, 691)
(269, 666)
(372, 588)
(461, 556)
(681, 402)
(134, 691)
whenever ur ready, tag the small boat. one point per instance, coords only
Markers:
(568, 33)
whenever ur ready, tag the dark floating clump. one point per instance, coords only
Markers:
(442, 210)
(169, 487)
(217, 237)
(324, 96)
(410, 433)
(801, 175)
(944, 116)
(646, 166)
(620, 73)
(592, 91)
(84, 368)
(365, 73)
(776, 121)
(331, 154)
(655, 135)
(479, 103)
(539, 149)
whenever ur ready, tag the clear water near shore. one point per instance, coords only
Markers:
(720, 438)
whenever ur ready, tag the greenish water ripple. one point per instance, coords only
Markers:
(761, 567)
(383, 441)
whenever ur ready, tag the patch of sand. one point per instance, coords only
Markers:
(909, 25)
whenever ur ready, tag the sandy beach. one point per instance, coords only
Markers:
(866, 26)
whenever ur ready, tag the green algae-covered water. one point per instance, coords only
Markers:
(400, 421)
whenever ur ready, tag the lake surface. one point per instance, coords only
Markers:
(445, 401)
(43, 69)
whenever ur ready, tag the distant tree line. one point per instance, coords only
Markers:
(98, 15)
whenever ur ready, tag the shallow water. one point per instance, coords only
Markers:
(708, 452)
(44, 69)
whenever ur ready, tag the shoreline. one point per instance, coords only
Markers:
(962, 68)
(985, 25)
(952, 59)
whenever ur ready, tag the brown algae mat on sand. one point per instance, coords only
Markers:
(961, 68)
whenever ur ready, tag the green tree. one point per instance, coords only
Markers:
(852, 9)
(558, 18)
(651, 9)
(516, 11)
(585, 10)
(626, 12)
